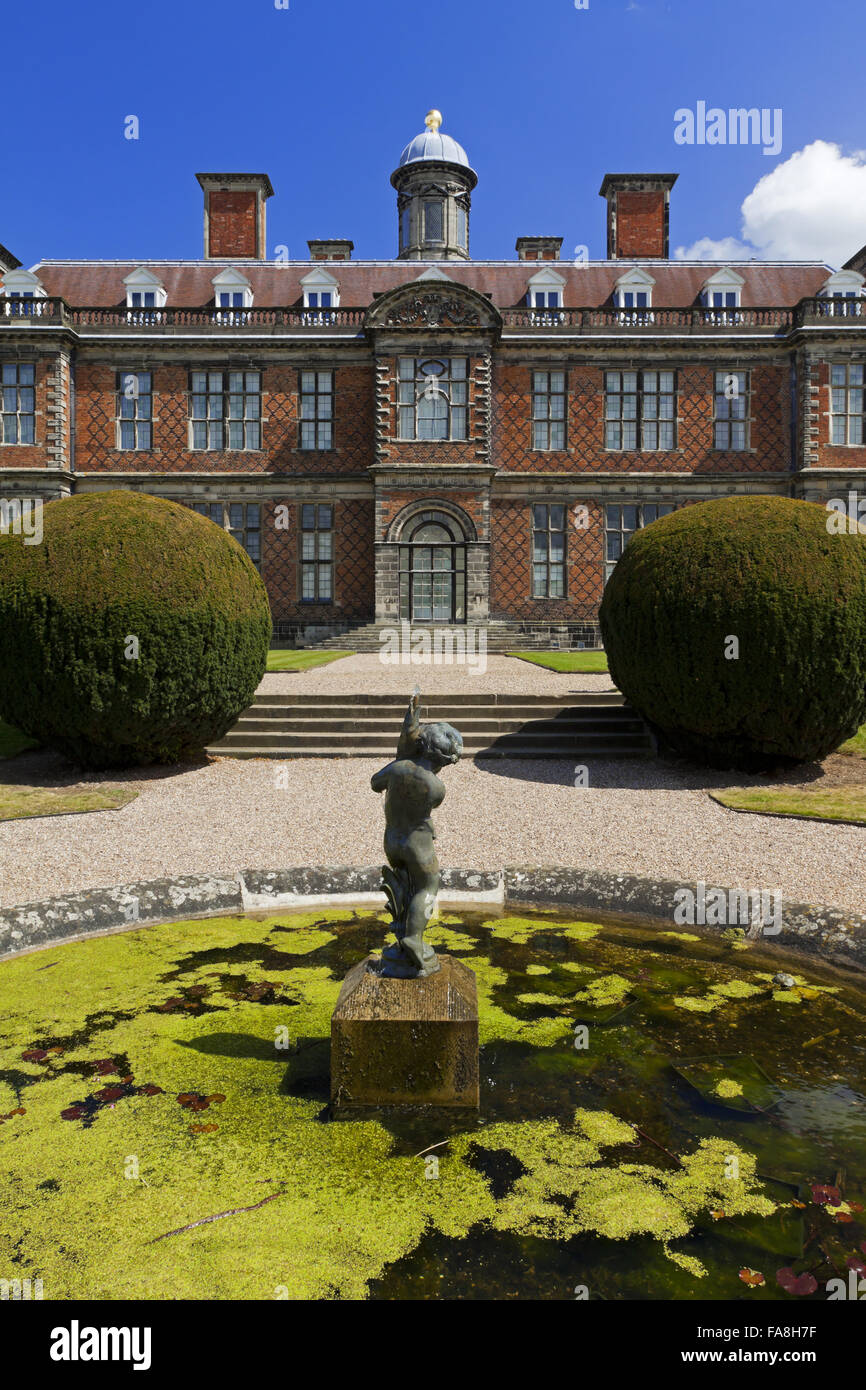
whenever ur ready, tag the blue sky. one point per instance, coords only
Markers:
(323, 95)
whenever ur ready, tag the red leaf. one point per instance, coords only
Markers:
(34, 1054)
(752, 1277)
(799, 1284)
(826, 1196)
(111, 1093)
(73, 1113)
(854, 1262)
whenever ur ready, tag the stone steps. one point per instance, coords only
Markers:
(595, 725)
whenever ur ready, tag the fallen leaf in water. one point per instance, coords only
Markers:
(752, 1277)
(34, 1054)
(203, 1129)
(798, 1284)
(825, 1196)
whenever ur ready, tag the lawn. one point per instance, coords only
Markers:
(582, 662)
(18, 802)
(845, 803)
(12, 741)
(856, 746)
(300, 660)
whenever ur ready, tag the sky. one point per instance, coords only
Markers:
(322, 95)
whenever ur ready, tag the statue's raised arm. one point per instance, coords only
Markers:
(408, 741)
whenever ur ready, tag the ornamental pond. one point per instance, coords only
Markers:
(661, 1118)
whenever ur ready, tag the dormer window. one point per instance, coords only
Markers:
(842, 295)
(22, 290)
(633, 293)
(232, 291)
(721, 294)
(321, 293)
(144, 292)
(544, 291)
(545, 299)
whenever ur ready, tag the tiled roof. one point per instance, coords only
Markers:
(189, 283)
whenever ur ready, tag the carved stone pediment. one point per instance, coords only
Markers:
(428, 305)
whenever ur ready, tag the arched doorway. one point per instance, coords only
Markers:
(433, 570)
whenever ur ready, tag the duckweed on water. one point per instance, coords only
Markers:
(592, 1162)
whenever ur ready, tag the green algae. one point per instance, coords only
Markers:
(726, 1088)
(604, 992)
(520, 930)
(697, 1005)
(736, 989)
(324, 1210)
(444, 938)
(719, 994)
(566, 1190)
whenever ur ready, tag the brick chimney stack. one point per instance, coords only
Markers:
(331, 249)
(234, 216)
(538, 248)
(638, 216)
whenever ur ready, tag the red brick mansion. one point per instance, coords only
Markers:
(432, 438)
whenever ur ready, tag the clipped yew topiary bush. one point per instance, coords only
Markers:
(764, 571)
(136, 632)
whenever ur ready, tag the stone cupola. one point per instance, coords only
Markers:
(434, 184)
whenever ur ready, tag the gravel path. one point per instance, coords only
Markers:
(366, 671)
(644, 818)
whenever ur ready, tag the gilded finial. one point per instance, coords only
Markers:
(433, 120)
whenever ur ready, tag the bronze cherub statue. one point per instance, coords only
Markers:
(412, 792)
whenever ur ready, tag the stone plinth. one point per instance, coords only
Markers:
(406, 1043)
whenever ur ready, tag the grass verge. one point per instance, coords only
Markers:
(13, 742)
(21, 802)
(856, 746)
(301, 660)
(582, 662)
(845, 804)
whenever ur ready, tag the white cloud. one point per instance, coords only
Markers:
(810, 207)
(705, 249)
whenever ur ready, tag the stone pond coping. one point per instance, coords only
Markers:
(831, 933)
